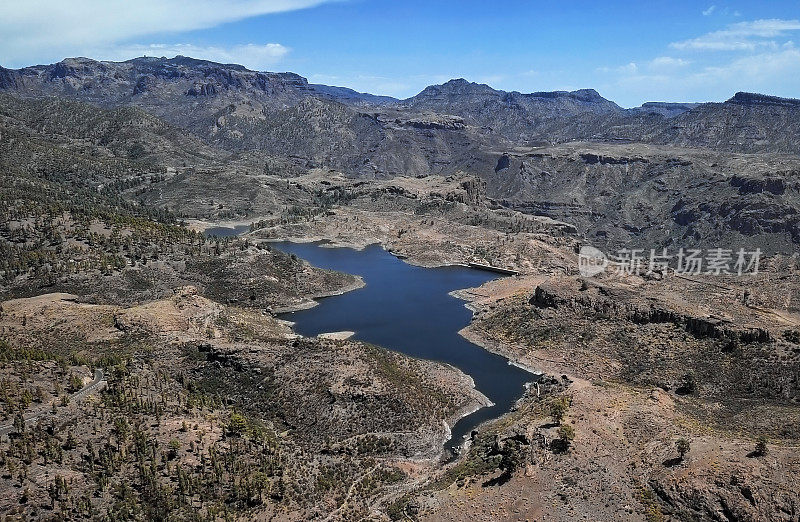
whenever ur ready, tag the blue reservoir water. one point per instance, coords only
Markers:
(407, 309)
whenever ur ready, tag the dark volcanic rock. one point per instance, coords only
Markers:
(9, 79)
(203, 89)
(665, 109)
(749, 98)
(615, 307)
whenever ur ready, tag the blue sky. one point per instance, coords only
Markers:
(630, 52)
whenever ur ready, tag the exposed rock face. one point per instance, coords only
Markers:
(144, 83)
(449, 123)
(749, 123)
(9, 79)
(749, 98)
(502, 163)
(203, 89)
(282, 125)
(594, 159)
(471, 191)
(775, 185)
(745, 123)
(601, 306)
(665, 109)
(512, 115)
(654, 197)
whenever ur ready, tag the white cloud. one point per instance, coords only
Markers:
(252, 56)
(742, 36)
(53, 29)
(761, 70)
(710, 10)
(667, 62)
(630, 68)
(770, 72)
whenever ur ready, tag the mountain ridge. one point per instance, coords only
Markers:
(238, 109)
(74, 65)
(565, 155)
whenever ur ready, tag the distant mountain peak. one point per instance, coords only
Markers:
(588, 94)
(455, 87)
(751, 98)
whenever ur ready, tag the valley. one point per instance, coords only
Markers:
(146, 209)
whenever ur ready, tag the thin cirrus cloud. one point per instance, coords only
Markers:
(742, 36)
(84, 26)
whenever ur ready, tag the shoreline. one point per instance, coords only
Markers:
(358, 246)
(463, 294)
(311, 301)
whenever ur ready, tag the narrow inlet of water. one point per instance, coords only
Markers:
(226, 231)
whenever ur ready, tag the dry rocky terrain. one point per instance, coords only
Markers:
(208, 407)
(646, 361)
(145, 376)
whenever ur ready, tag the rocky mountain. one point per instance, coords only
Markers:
(657, 196)
(222, 102)
(145, 373)
(666, 109)
(125, 132)
(516, 117)
(195, 112)
(745, 123)
(277, 118)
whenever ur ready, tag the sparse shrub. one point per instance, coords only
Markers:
(683, 446)
(793, 336)
(174, 447)
(559, 409)
(513, 456)
(237, 425)
(688, 384)
(566, 434)
(75, 383)
(71, 443)
(761, 447)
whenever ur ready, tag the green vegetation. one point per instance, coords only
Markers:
(683, 446)
(237, 425)
(761, 448)
(559, 408)
(566, 434)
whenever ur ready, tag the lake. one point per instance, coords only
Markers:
(408, 309)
